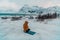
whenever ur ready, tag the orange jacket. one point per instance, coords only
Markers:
(25, 26)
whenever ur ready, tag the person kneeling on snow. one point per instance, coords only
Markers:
(26, 27)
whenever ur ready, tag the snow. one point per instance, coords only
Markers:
(13, 30)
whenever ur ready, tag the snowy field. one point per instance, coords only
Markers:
(13, 30)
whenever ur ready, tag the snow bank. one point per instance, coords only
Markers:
(13, 30)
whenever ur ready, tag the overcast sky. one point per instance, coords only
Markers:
(16, 4)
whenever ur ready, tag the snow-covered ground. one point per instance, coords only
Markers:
(13, 30)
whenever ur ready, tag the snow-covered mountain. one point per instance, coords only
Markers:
(26, 9)
(31, 9)
(39, 10)
(54, 9)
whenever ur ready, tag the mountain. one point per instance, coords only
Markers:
(26, 9)
(33, 9)
(54, 9)
(38, 10)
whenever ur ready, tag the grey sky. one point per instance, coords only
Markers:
(19, 3)
(45, 3)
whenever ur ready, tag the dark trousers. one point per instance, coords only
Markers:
(27, 30)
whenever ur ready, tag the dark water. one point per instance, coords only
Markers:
(14, 14)
(10, 14)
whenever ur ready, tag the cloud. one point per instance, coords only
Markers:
(8, 5)
(43, 3)
(17, 4)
